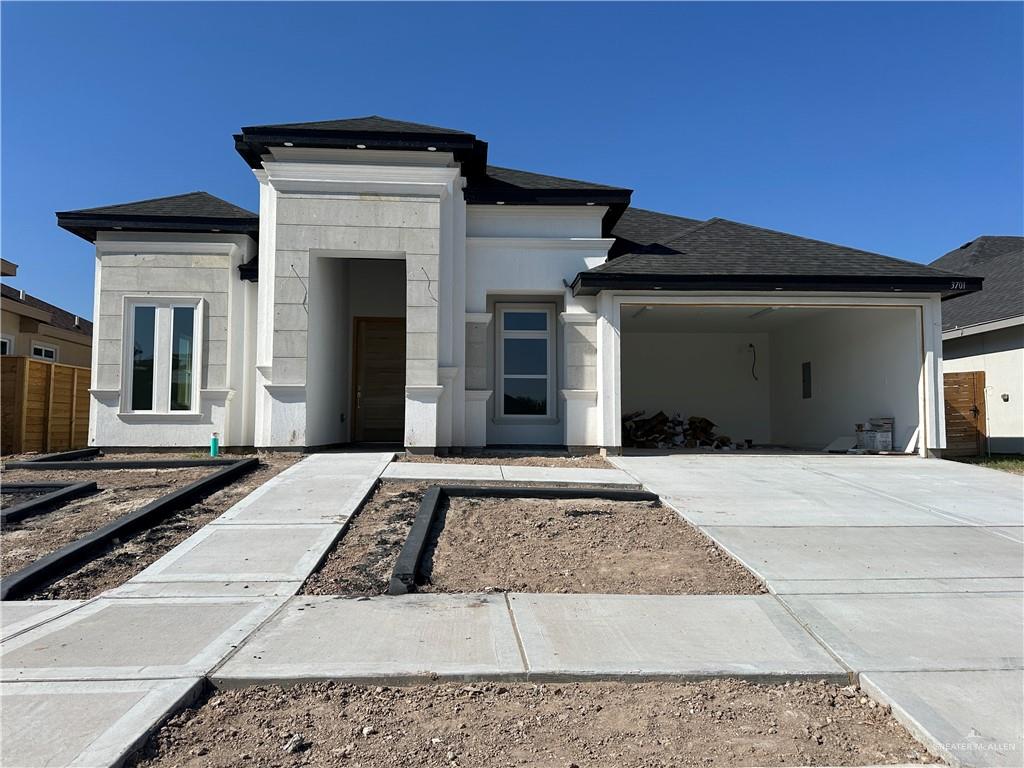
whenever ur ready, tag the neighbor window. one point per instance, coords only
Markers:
(6, 345)
(162, 357)
(526, 360)
(44, 352)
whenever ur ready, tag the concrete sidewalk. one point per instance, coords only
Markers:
(909, 570)
(103, 673)
(423, 637)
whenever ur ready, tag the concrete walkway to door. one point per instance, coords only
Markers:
(909, 570)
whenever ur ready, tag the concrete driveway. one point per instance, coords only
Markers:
(910, 571)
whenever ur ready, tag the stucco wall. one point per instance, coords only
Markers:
(167, 266)
(864, 363)
(700, 374)
(1000, 354)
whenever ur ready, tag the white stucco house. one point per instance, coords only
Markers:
(983, 348)
(395, 287)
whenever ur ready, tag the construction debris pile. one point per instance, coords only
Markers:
(661, 431)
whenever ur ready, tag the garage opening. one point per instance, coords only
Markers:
(775, 376)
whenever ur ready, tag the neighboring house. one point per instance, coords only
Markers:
(31, 327)
(397, 287)
(983, 349)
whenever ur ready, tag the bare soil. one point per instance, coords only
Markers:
(124, 559)
(580, 546)
(120, 491)
(13, 497)
(531, 545)
(615, 725)
(514, 458)
(362, 560)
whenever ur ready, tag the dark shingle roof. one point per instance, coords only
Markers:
(511, 178)
(368, 124)
(998, 259)
(190, 212)
(59, 318)
(720, 252)
(642, 231)
(978, 251)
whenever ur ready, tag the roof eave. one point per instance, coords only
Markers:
(253, 144)
(614, 201)
(87, 226)
(592, 283)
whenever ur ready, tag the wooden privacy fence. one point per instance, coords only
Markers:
(43, 406)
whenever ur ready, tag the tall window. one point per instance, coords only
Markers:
(143, 358)
(182, 330)
(161, 356)
(526, 360)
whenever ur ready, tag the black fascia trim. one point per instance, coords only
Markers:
(87, 226)
(616, 202)
(591, 283)
(252, 145)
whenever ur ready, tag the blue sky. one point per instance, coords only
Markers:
(891, 127)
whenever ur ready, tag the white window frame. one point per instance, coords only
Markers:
(50, 347)
(9, 341)
(164, 308)
(550, 335)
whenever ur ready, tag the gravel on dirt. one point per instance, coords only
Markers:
(589, 546)
(513, 458)
(530, 545)
(486, 725)
(124, 559)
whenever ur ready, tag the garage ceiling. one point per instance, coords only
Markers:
(640, 318)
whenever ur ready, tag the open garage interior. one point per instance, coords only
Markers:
(355, 374)
(779, 376)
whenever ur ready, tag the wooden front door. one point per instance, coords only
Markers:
(378, 361)
(965, 413)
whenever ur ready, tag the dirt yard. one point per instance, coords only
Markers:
(13, 497)
(531, 545)
(514, 458)
(615, 725)
(577, 545)
(121, 491)
(362, 561)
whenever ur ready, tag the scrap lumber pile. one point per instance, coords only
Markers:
(662, 431)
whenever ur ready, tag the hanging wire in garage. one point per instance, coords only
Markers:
(753, 363)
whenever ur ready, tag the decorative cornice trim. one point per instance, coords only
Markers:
(581, 394)
(578, 318)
